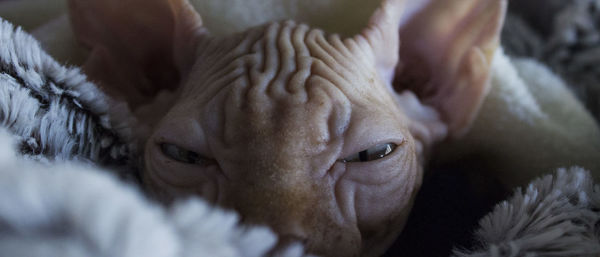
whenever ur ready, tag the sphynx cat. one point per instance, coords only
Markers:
(321, 137)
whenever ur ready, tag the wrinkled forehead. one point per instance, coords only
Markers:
(286, 58)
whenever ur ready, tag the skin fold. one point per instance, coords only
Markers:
(321, 137)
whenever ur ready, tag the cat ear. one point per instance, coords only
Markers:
(446, 54)
(138, 47)
(382, 36)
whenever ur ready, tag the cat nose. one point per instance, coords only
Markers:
(289, 245)
(292, 230)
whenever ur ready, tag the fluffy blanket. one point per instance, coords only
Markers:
(553, 216)
(49, 207)
(77, 210)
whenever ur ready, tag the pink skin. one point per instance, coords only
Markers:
(270, 114)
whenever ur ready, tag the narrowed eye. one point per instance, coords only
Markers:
(182, 155)
(371, 154)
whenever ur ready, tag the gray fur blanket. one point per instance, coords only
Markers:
(63, 149)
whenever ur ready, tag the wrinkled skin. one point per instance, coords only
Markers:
(277, 125)
(267, 121)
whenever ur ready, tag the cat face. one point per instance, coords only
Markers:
(306, 132)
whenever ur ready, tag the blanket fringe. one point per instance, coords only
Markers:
(554, 216)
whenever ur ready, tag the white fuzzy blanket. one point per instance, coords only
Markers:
(53, 208)
(69, 209)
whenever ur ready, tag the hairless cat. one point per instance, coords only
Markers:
(321, 137)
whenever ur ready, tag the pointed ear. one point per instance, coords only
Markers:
(382, 35)
(446, 54)
(138, 47)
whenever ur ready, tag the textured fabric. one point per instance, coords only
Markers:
(70, 209)
(55, 112)
(553, 216)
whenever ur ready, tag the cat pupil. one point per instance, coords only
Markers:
(371, 154)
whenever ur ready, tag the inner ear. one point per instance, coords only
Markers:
(446, 54)
(138, 47)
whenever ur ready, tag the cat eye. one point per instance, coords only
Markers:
(182, 155)
(374, 153)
